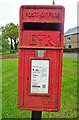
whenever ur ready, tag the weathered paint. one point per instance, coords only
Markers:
(49, 40)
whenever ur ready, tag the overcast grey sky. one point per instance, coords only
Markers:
(9, 10)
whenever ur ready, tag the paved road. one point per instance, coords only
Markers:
(8, 56)
(72, 55)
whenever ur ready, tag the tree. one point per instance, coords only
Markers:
(4, 45)
(10, 31)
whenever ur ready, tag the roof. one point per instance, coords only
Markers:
(72, 31)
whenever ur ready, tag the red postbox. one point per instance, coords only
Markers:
(40, 57)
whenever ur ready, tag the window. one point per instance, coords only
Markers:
(78, 45)
(78, 37)
(68, 46)
(69, 37)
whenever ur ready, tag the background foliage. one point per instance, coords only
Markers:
(9, 37)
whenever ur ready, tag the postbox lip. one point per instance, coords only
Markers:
(42, 6)
(57, 8)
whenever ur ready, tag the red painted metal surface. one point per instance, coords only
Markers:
(51, 41)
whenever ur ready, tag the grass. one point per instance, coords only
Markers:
(69, 91)
(0, 89)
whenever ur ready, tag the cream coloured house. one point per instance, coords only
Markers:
(72, 38)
